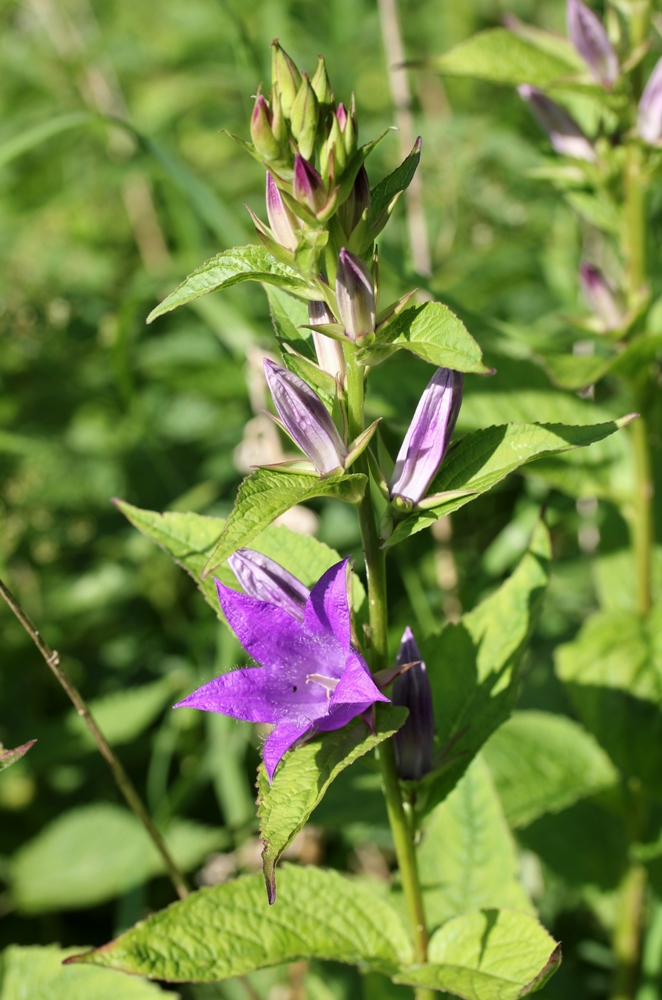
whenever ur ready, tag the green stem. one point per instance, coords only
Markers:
(378, 654)
(643, 531)
(640, 15)
(627, 933)
(635, 185)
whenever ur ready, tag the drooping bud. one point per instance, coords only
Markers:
(649, 122)
(305, 418)
(286, 77)
(304, 118)
(356, 296)
(330, 356)
(322, 85)
(266, 580)
(307, 186)
(414, 741)
(282, 221)
(600, 296)
(587, 34)
(351, 210)
(263, 138)
(563, 132)
(428, 436)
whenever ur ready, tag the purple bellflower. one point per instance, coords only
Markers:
(356, 296)
(587, 34)
(649, 123)
(414, 741)
(306, 419)
(330, 356)
(266, 580)
(563, 132)
(600, 296)
(311, 680)
(428, 436)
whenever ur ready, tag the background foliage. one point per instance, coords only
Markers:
(97, 223)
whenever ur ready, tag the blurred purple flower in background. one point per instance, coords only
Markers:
(600, 296)
(564, 133)
(588, 35)
(649, 123)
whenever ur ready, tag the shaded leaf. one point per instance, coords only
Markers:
(500, 56)
(9, 757)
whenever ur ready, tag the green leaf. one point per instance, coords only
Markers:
(613, 671)
(251, 263)
(466, 858)
(303, 777)
(597, 211)
(230, 929)
(489, 955)
(9, 757)
(289, 316)
(33, 973)
(484, 458)
(473, 666)
(573, 371)
(22, 143)
(123, 715)
(384, 193)
(500, 56)
(266, 494)
(543, 762)
(94, 853)
(433, 333)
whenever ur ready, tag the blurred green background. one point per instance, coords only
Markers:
(99, 221)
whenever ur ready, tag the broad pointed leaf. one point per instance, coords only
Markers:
(303, 777)
(500, 56)
(390, 187)
(34, 973)
(575, 371)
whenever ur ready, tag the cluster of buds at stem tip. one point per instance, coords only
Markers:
(563, 132)
(427, 439)
(600, 297)
(266, 580)
(309, 190)
(588, 35)
(649, 121)
(414, 741)
(355, 292)
(341, 142)
(330, 355)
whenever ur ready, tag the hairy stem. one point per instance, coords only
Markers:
(378, 654)
(122, 779)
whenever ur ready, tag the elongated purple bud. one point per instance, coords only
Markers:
(305, 418)
(307, 186)
(281, 220)
(649, 123)
(413, 742)
(600, 297)
(428, 437)
(356, 296)
(587, 34)
(330, 356)
(266, 580)
(261, 134)
(564, 133)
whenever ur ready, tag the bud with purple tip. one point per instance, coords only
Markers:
(428, 437)
(330, 356)
(649, 122)
(285, 76)
(307, 186)
(414, 741)
(266, 580)
(356, 296)
(261, 133)
(564, 134)
(600, 296)
(306, 419)
(587, 34)
(282, 221)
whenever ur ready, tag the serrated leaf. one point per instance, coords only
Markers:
(466, 858)
(96, 852)
(485, 457)
(500, 56)
(250, 263)
(266, 494)
(9, 757)
(394, 184)
(542, 762)
(489, 955)
(230, 929)
(303, 777)
(34, 973)
(473, 666)
(433, 333)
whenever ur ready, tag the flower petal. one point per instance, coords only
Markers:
(256, 694)
(356, 686)
(279, 742)
(327, 609)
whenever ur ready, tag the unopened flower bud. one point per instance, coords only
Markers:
(428, 436)
(564, 134)
(330, 356)
(304, 118)
(333, 157)
(587, 34)
(600, 296)
(278, 123)
(351, 210)
(321, 84)
(266, 580)
(263, 138)
(307, 186)
(356, 296)
(286, 77)
(305, 418)
(282, 221)
(414, 741)
(649, 123)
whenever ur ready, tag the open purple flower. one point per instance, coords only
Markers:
(310, 680)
